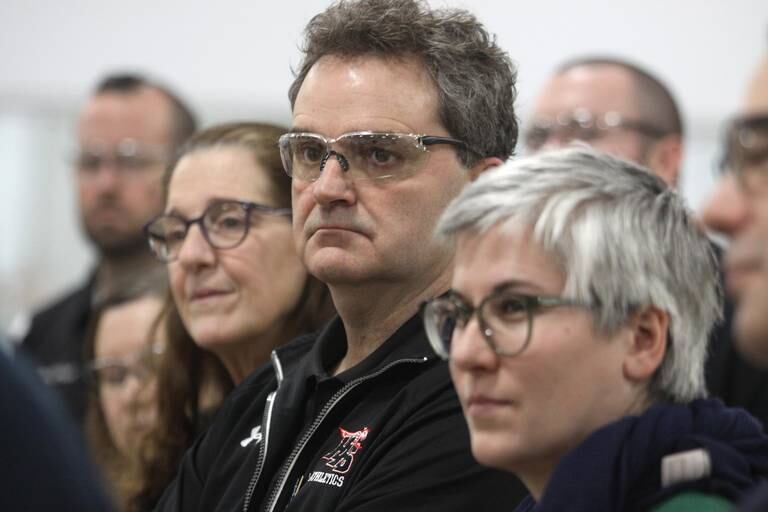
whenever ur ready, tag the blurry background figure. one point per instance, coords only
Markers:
(44, 463)
(238, 285)
(738, 208)
(624, 110)
(614, 106)
(123, 347)
(127, 133)
(575, 354)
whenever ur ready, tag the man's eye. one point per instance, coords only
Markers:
(382, 157)
(311, 153)
(132, 161)
(88, 162)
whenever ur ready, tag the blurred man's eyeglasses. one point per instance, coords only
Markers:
(224, 225)
(584, 125)
(505, 319)
(745, 148)
(129, 157)
(362, 155)
(114, 372)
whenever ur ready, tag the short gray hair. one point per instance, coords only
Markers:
(474, 77)
(623, 239)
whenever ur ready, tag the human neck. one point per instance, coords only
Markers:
(123, 273)
(372, 313)
(242, 358)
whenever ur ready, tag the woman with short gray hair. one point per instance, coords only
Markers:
(576, 331)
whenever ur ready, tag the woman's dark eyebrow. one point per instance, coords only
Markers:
(518, 285)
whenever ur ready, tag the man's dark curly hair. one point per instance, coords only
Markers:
(474, 77)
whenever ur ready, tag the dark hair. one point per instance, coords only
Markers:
(189, 375)
(474, 77)
(184, 123)
(652, 96)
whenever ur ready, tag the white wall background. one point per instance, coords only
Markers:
(232, 59)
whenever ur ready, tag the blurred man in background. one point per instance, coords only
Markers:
(623, 109)
(127, 131)
(738, 208)
(614, 106)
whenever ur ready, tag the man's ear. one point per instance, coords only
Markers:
(483, 165)
(665, 158)
(648, 343)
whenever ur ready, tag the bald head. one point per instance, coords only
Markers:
(614, 106)
(649, 95)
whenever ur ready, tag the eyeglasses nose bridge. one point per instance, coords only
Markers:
(343, 162)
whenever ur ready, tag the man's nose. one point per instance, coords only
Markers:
(334, 185)
(106, 175)
(726, 211)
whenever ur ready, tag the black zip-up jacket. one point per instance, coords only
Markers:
(386, 435)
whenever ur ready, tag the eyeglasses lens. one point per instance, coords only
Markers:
(365, 156)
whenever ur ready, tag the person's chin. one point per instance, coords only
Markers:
(491, 450)
(334, 265)
(111, 240)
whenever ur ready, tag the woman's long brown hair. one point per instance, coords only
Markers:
(189, 377)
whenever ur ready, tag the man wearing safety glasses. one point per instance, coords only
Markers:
(739, 209)
(396, 107)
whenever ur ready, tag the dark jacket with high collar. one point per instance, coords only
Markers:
(55, 343)
(619, 467)
(388, 434)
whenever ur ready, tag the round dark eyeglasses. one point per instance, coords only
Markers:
(505, 319)
(224, 225)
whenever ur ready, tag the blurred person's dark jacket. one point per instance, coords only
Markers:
(291, 423)
(44, 466)
(54, 342)
(729, 376)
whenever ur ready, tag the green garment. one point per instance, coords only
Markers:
(695, 502)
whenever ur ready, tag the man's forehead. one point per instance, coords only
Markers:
(597, 87)
(343, 94)
(141, 114)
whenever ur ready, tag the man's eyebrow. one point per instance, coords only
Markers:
(300, 129)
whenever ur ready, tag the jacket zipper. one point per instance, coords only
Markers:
(262, 451)
(288, 465)
(266, 423)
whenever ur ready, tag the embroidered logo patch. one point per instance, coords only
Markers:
(340, 459)
(254, 437)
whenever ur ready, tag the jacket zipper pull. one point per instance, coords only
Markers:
(298, 485)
